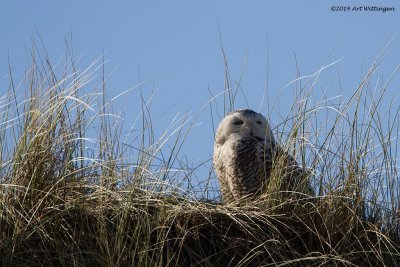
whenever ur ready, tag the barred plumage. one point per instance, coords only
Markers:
(245, 152)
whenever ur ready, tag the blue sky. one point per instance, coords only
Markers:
(176, 45)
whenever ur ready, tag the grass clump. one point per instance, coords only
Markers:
(74, 193)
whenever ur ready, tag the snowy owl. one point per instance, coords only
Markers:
(246, 156)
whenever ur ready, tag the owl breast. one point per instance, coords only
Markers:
(243, 167)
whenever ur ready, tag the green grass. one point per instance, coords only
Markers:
(74, 192)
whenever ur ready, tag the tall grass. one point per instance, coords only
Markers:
(78, 191)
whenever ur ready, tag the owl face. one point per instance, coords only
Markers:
(244, 123)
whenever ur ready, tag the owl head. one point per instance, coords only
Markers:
(243, 123)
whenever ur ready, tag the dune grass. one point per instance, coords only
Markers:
(75, 192)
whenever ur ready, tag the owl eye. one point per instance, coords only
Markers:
(238, 122)
(259, 122)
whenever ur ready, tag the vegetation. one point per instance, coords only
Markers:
(75, 192)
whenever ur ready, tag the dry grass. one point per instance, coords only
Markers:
(71, 199)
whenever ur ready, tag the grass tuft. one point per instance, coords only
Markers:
(74, 192)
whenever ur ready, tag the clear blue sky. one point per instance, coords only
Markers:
(177, 43)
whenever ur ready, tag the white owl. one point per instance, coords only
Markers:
(246, 156)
